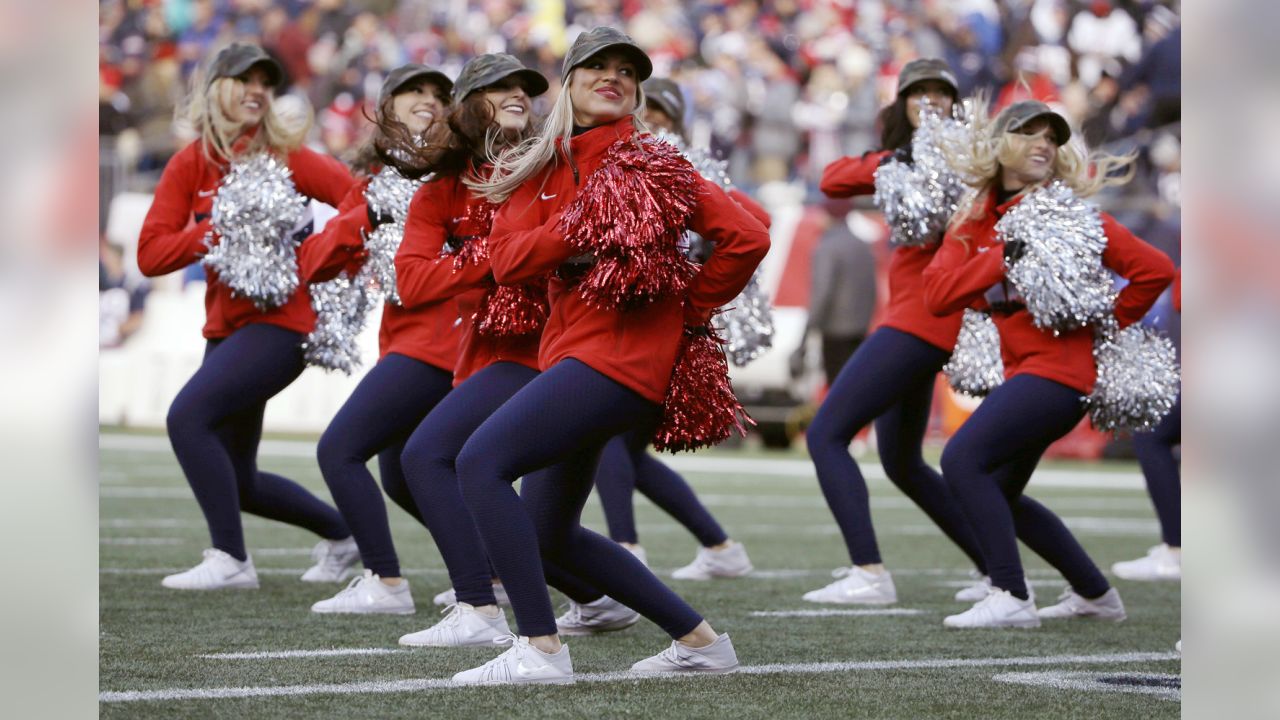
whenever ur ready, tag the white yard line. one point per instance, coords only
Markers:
(835, 613)
(743, 467)
(392, 686)
(291, 654)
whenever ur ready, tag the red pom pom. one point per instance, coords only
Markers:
(700, 409)
(631, 215)
(512, 310)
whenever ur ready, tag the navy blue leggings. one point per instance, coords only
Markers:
(889, 380)
(560, 421)
(1164, 482)
(429, 459)
(989, 461)
(626, 466)
(384, 409)
(215, 424)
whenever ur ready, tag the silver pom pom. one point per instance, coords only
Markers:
(707, 165)
(976, 367)
(254, 215)
(388, 193)
(1060, 275)
(1138, 379)
(342, 308)
(747, 323)
(919, 198)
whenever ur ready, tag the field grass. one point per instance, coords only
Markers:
(894, 666)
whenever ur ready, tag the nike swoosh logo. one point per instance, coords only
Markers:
(548, 197)
(983, 249)
(525, 671)
(458, 220)
(205, 193)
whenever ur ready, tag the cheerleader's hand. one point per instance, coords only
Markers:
(693, 317)
(1013, 251)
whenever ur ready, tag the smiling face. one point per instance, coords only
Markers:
(603, 88)
(418, 104)
(250, 98)
(1033, 149)
(933, 92)
(510, 104)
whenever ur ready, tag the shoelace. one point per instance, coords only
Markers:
(574, 613)
(489, 670)
(841, 572)
(351, 587)
(452, 615)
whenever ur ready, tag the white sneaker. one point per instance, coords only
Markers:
(856, 587)
(1072, 605)
(334, 560)
(523, 663)
(599, 616)
(367, 594)
(450, 597)
(217, 571)
(980, 588)
(998, 609)
(639, 552)
(462, 626)
(1161, 563)
(730, 562)
(718, 657)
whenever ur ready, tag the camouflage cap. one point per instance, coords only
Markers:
(923, 69)
(666, 96)
(235, 60)
(403, 75)
(1020, 113)
(603, 38)
(485, 70)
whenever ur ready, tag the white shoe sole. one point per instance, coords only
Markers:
(853, 601)
(548, 681)
(230, 586)
(688, 671)
(1014, 624)
(488, 642)
(394, 611)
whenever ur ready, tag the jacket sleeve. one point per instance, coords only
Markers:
(750, 205)
(168, 242)
(851, 176)
(1148, 270)
(325, 254)
(741, 243)
(955, 279)
(423, 277)
(523, 246)
(320, 177)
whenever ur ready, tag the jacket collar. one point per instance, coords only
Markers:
(590, 145)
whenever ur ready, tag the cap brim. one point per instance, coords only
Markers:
(1061, 128)
(433, 76)
(938, 78)
(644, 66)
(274, 72)
(534, 83)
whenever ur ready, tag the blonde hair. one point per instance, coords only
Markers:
(516, 164)
(205, 110)
(982, 158)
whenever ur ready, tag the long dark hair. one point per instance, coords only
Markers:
(895, 127)
(366, 158)
(451, 147)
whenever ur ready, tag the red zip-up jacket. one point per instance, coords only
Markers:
(170, 241)
(971, 262)
(636, 348)
(905, 311)
(423, 329)
(446, 208)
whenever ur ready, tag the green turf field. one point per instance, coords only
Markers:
(154, 641)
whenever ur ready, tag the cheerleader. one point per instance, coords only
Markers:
(215, 422)
(626, 465)
(418, 346)
(1164, 484)
(444, 262)
(605, 371)
(990, 459)
(890, 378)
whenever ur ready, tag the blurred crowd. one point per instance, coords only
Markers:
(783, 87)
(778, 87)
